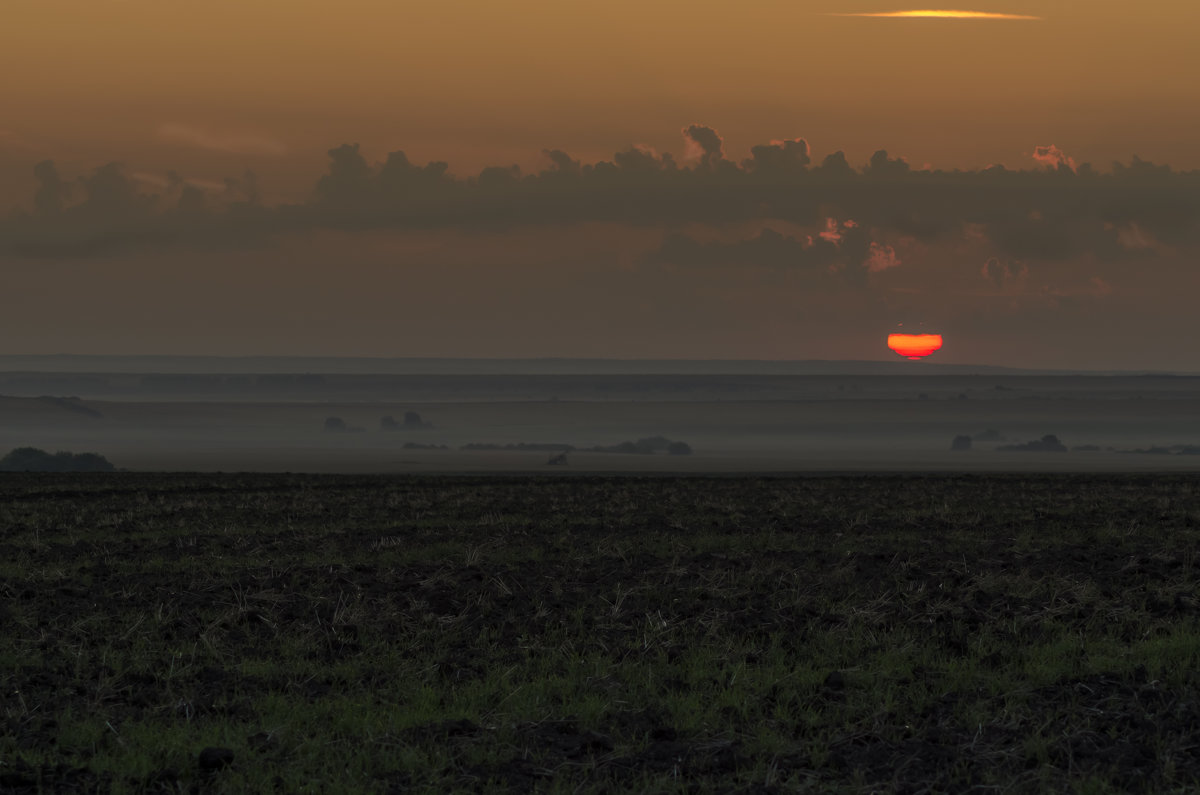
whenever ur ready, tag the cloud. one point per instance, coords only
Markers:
(840, 252)
(779, 158)
(704, 145)
(562, 163)
(1053, 157)
(881, 258)
(936, 14)
(881, 165)
(233, 143)
(1037, 215)
(171, 181)
(642, 158)
(52, 193)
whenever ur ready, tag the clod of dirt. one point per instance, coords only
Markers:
(214, 759)
(836, 680)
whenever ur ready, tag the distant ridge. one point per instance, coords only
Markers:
(336, 365)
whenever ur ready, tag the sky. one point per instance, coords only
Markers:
(654, 179)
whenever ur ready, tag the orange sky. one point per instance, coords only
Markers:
(211, 90)
(478, 82)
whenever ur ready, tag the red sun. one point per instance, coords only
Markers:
(914, 346)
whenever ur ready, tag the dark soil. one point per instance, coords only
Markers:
(936, 633)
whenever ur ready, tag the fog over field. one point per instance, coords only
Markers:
(466, 416)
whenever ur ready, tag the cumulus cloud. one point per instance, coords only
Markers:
(881, 165)
(1035, 215)
(233, 143)
(641, 158)
(1053, 157)
(172, 182)
(780, 158)
(703, 145)
(562, 163)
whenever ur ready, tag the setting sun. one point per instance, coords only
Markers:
(914, 346)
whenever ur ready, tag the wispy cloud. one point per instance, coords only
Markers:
(234, 143)
(935, 14)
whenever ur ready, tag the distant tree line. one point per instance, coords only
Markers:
(646, 446)
(536, 447)
(31, 459)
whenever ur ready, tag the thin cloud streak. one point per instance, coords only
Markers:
(238, 144)
(936, 14)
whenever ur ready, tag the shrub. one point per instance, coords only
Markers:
(338, 425)
(961, 442)
(413, 420)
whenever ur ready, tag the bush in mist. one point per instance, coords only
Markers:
(411, 421)
(679, 448)
(1047, 444)
(31, 459)
(961, 443)
(338, 425)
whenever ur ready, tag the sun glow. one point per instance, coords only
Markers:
(937, 14)
(914, 346)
